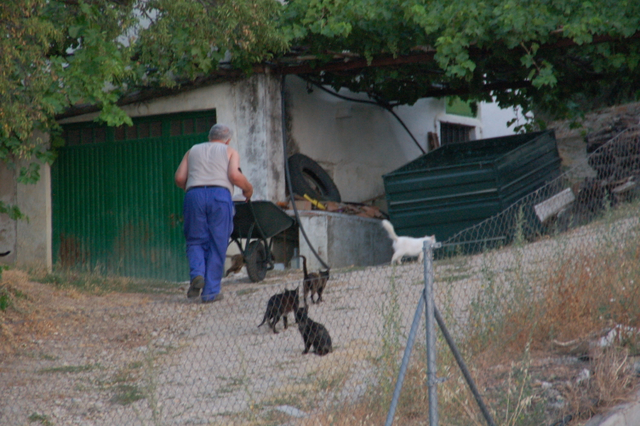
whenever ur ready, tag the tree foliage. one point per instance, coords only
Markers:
(550, 53)
(57, 54)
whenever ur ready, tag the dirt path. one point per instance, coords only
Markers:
(128, 359)
(124, 358)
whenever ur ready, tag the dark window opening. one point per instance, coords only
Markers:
(204, 124)
(86, 135)
(143, 130)
(454, 133)
(131, 132)
(120, 133)
(156, 129)
(100, 135)
(158, 126)
(73, 137)
(187, 128)
(176, 128)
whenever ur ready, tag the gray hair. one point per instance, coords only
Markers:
(220, 132)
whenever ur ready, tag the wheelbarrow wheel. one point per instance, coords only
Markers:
(256, 261)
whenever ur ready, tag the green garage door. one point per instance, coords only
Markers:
(115, 205)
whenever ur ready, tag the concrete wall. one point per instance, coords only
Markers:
(357, 143)
(33, 242)
(28, 239)
(343, 240)
(7, 226)
(252, 108)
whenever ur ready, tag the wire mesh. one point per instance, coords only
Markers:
(567, 254)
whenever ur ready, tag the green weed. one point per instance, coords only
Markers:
(96, 283)
(40, 418)
(70, 369)
(126, 394)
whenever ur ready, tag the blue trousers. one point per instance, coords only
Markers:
(208, 223)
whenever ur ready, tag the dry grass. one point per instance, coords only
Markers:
(34, 311)
(537, 361)
(611, 381)
(372, 410)
(525, 355)
(583, 296)
(22, 315)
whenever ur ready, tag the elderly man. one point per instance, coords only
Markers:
(208, 173)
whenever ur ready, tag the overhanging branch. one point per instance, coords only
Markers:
(351, 63)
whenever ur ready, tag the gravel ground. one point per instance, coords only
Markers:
(129, 359)
(67, 358)
(161, 359)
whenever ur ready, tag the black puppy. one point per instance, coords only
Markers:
(313, 333)
(278, 306)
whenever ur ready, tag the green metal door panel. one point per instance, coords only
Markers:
(541, 145)
(449, 202)
(439, 181)
(475, 152)
(526, 159)
(115, 206)
(74, 215)
(545, 170)
(448, 213)
(441, 194)
(460, 185)
(447, 220)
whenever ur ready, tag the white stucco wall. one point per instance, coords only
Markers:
(357, 143)
(7, 226)
(33, 242)
(29, 239)
(252, 108)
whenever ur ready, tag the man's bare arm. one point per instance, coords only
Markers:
(236, 177)
(182, 173)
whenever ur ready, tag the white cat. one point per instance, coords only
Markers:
(406, 246)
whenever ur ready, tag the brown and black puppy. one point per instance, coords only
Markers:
(237, 262)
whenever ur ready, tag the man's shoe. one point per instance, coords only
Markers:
(197, 284)
(218, 298)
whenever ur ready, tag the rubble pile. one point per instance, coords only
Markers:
(615, 158)
(354, 209)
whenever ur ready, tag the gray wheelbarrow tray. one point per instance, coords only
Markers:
(257, 222)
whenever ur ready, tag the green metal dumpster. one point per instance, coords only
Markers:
(459, 185)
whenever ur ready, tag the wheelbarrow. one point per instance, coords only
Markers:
(257, 222)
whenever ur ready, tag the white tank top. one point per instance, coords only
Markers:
(208, 166)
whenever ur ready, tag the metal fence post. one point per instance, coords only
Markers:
(432, 380)
(405, 361)
(463, 368)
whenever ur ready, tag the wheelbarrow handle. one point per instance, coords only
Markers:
(261, 233)
(255, 218)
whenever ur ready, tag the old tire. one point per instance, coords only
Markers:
(256, 261)
(308, 177)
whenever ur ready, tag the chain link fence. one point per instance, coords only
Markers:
(554, 274)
